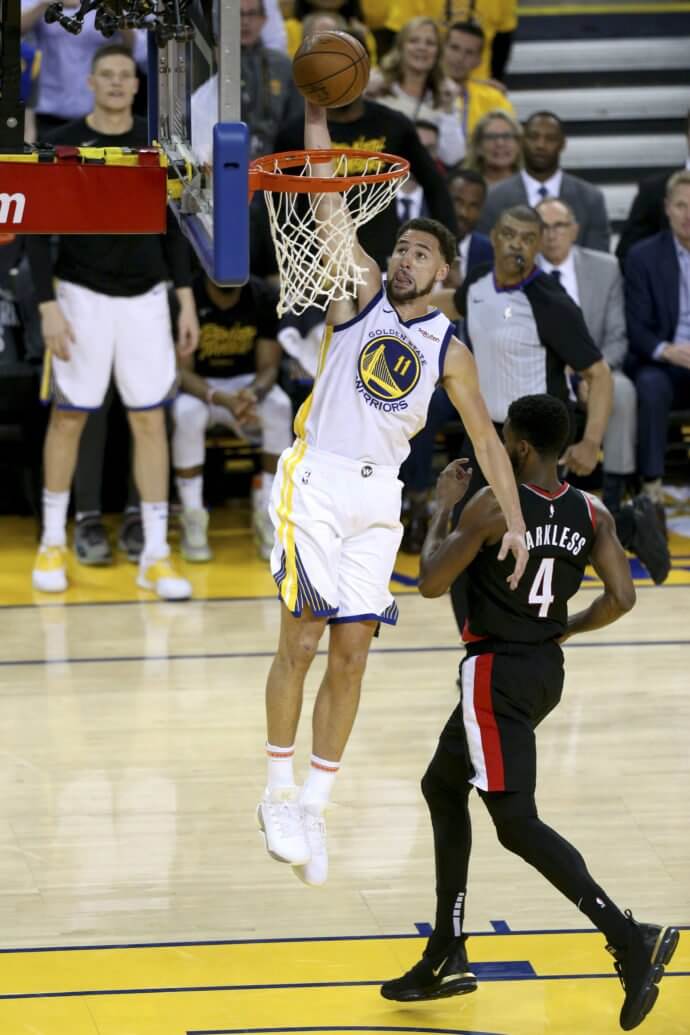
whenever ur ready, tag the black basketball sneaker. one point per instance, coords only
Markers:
(434, 977)
(640, 965)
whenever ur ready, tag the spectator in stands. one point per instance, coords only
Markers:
(462, 55)
(524, 330)
(231, 381)
(495, 149)
(366, 125)
(348, 11)
(498, 19)
(66, 59)
(647, 214)
(468, 191)
(269, 95)
(543, 143)
(109, 312)
(657, 301)
(412, 80)
(593, 281)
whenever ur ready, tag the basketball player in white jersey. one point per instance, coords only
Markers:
(336, 507)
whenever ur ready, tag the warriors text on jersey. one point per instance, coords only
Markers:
(374, 382)
(559, 537)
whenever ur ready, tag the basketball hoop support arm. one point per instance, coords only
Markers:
(11, 107)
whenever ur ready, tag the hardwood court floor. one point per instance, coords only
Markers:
(131, 762)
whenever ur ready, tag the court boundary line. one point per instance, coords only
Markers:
(587, 587)
(337, 1027)
(93, 993)
(243, 655)
(298, 940)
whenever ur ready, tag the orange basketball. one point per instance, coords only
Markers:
(331, 69)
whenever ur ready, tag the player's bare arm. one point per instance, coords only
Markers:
(462, 384)
(611, 565)
(447, 552)
(187, 322)
(445, 301)
(582, 457)
(332, 207)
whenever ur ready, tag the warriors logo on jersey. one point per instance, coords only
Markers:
(388, 367)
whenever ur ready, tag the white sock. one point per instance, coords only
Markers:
(280, 772)
(266, 487)
(191, 492)
(319, 783)
(154, 518)
(55, 506)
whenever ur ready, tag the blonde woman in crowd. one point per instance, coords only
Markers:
(495, 148)
(412, 81)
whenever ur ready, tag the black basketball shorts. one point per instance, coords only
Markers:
(507, 689)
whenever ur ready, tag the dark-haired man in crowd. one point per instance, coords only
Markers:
(543, 143)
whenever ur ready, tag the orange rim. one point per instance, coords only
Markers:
(262, 175)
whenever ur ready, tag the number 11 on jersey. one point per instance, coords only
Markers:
(540, 591)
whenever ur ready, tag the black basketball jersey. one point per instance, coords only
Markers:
(560, 532)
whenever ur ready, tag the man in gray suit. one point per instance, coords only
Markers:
(542, 177)
(593, 280)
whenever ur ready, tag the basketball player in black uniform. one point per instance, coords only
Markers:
(512, 678)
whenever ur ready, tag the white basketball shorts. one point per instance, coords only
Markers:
(338, 531)
(130, 338)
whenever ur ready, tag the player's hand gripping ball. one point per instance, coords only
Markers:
(331, 69)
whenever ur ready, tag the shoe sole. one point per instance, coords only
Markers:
(666, 945)
(94, 562)
(274, 855)
(196, 558)
(143, 583)
(301, 876)
(462, 985)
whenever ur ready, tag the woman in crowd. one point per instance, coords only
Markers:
(412, 81)
(495, 148)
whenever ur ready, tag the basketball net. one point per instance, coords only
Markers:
(314, 230)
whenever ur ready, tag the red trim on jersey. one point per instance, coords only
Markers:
(590, 508)
(548, 495)
(484, 710)
(467, 636)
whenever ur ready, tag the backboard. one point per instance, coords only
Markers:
(194, 114)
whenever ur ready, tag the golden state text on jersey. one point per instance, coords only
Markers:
(375, 379)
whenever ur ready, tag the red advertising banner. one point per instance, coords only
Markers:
(82, 198)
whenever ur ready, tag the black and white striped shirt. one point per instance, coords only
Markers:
(522, 337)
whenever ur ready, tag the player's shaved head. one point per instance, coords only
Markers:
(541, 420)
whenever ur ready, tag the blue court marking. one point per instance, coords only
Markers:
(424, 929)
(500, 926)
(328, 1027)
(297, 941)
(456, 648)
(88, 993)
(588, 584)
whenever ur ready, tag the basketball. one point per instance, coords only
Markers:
(331, 69)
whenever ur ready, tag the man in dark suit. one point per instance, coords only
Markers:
(647, 215)
(657, 301)
(468, 192)
(543, 142)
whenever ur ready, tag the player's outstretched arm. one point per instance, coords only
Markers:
(462, 384)
(446, 553)
(331, 208)
(611, 565)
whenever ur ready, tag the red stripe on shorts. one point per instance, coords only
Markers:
(484, 710)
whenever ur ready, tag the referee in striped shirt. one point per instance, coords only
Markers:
(524, 330)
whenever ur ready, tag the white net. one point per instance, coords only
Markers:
(315, 234)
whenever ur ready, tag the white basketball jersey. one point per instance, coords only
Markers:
(374, 383)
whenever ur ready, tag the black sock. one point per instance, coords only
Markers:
(613, 489)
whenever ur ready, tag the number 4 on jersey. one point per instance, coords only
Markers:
(540, 591)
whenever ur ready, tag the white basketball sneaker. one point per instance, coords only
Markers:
(160, 577)
(194, 527)
(49, 574)
(279, 815)
(314, 872)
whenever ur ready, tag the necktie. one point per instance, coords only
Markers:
(404, 209)
(556, 274)
(542, 192)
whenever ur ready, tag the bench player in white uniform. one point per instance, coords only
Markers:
(336, 507)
